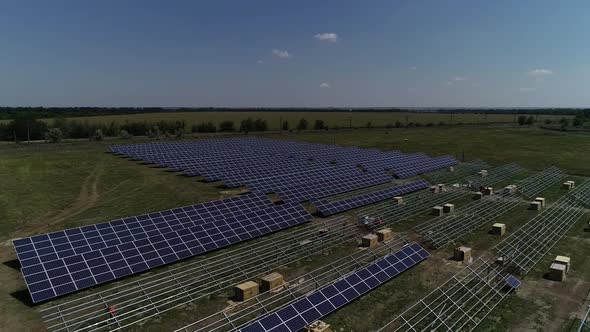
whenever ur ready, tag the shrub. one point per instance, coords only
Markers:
(53, 135)
(369, 125)
(204, 127)
(319, 124)
(286, 125)
(522, 120)
(530, 120)
(398, 124)
(124, 134)
(247, 125)
(226, 126)
(98, 135)
(154, 132)
(302, 124)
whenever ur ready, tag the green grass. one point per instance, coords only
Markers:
(533, 148)
(48, 187)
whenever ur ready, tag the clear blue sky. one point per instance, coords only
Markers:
(295, 53)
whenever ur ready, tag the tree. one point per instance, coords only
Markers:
(260, 125)
(564, 122)
(179, 133)
(369, 125)
(124, 134)
(98, 135)
(286, 125)
(204, 127)
(522, 120)
(302, 124)
(226, 126)
(530, 120)
(25, 126)
(319, 125)
(577, 122)
(53, 135)
(154, 132)
(247, 125)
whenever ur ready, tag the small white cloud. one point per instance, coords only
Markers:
(447, 83)
(325, 85)
(527, 89)
(540, 72)
(327, 36)
(259, 62)
(281, 53)
(412, 68)
(475, 85)
(459, 78)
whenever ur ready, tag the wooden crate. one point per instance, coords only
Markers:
(271, 281)
(369, 240)
(246, 290)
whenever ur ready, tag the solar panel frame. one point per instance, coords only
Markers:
(321, 302)
(111, 263)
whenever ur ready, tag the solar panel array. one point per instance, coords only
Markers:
(325, 300)
(326, 208)
(66, 261)
(328, 187)
(267, 165)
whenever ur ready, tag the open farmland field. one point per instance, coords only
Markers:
(49, 187)
(331, 119)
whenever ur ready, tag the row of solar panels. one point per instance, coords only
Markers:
(251, 161)
(63, 262)
(327, 208)
(302, 312)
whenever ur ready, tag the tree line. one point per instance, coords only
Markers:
(27, 127)
(9, 113)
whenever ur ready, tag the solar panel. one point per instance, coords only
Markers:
(512, 282)
(61, 244)
(331, 186)
(304, 311)
(58, 276)
(327, 208)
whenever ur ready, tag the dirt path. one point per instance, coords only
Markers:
(87, 198)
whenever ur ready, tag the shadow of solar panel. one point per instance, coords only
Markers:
(296, 315)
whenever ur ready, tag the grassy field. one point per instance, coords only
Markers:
(331, 119)
(49, 187)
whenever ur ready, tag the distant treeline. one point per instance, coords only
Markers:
(7, 113)
(27, 126)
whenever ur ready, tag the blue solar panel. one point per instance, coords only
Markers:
(57, 276)
(331, 186)
(327, 208)
(512, 282)
(296, 315)
(76, 241)
(265, 164)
